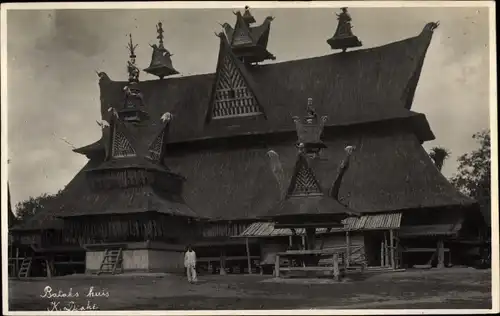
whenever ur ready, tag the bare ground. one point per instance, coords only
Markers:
(449, 288)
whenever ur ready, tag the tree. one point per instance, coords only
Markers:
(439, 155)
(27, 208)
(474, 173)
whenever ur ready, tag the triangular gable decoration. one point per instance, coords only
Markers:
(233, 97)
(156, 147)
(121, 146)
(304, 182)
(241, 37)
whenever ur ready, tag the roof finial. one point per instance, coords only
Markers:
(310, 109)
(247, 16)
(343, 37)
(159, 29)
(131, 47)
(309, 130)
(161, 63)
(133, 71)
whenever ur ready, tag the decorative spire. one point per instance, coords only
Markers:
(343, 37)
(131, 111)
(309, 131)
(249, 43)
(133, 71)
(161, 64)
(248, 17)
(160, 31)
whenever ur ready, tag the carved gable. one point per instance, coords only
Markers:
(233, 97)
(121, 146)
(156, 147)
(304, 181)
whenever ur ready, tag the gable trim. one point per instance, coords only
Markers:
(304, 181)
(233, 94)
(122, 149)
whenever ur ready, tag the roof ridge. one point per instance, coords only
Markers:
(424, 34)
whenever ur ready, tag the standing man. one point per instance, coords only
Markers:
(190, 264)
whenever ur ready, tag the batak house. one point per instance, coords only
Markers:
(206, 159)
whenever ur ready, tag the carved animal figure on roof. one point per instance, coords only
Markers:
(277, 169)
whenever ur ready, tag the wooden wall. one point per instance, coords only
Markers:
(223, 228)
(129, 228)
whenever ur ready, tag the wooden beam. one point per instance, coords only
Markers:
(391, 241)
(309, 225)
(248, 257)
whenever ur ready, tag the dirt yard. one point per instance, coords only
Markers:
(448, 288)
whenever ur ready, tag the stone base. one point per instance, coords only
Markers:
(139, 257)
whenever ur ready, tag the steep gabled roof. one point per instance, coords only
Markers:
(46, 218)
(362, 86)
(388, 172)
(126, 201)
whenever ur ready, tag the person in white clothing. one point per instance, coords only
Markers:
(190, 264)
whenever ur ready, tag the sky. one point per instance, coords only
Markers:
(53, 96)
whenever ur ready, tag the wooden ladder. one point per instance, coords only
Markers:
(25, 268)
(112, 262)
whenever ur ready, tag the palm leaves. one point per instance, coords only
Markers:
(439, 155)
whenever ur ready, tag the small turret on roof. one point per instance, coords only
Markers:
(161, 63)
(306, 204)
(132, 109)
(343, 37)
(309, 130)
(249, 44)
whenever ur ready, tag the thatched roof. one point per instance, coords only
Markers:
(367, 95)
(78, 199)
(361, 86)
(46, 218)
(388, 172)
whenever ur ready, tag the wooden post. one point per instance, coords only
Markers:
(348, 248)
(277, 266)
(391, 241)
(440, 246)
(222, 263)
(386, 250)
(290, 242)
(336, 271)
(248, 257)
(303, 242)
(16, 272)
(311, 238)
(47, 265)
(382, 254)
